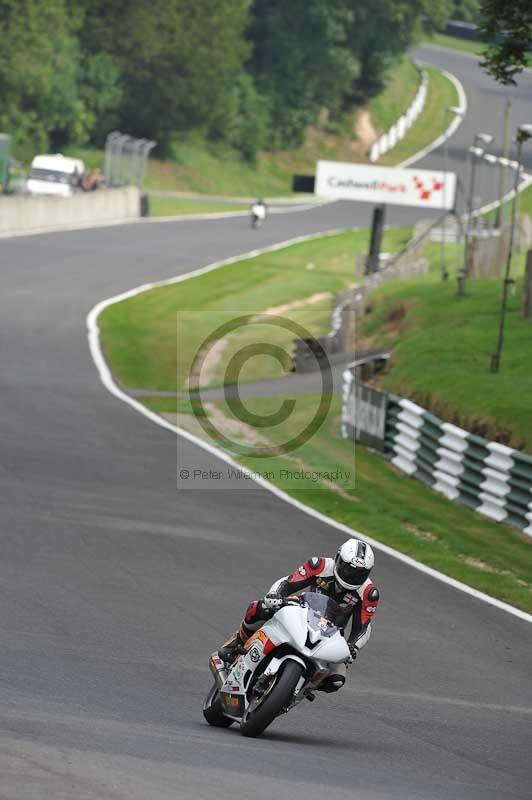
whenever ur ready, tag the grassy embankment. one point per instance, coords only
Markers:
(441, 94)
(455, 43)
(443, 349)
(215, 169)
(139, 338)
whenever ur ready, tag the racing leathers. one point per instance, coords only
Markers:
(316, 575)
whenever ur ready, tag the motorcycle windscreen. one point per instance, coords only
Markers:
(322, 614)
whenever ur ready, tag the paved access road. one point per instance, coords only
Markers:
(115, 587)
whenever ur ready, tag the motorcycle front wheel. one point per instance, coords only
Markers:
(275, 699)
(212, 710)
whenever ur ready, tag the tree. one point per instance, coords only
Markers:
(100, 93)
(38, 72)
(384, 29)
(301, 61)
(465, 10)
(509, 24)
(178, 60)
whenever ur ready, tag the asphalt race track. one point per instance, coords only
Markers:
(115, 587)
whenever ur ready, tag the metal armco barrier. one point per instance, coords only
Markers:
(363, 413)
(488, 477)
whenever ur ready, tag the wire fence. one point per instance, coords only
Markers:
(126, 159)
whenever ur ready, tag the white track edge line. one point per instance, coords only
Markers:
(93, 335)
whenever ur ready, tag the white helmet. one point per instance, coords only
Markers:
(353, 563)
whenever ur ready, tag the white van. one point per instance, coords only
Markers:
(55, 174)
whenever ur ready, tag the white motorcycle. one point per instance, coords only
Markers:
(284, 661)
(258, 214)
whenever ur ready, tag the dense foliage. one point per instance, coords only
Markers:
(253, 73)
(465, 10)
(510, 25)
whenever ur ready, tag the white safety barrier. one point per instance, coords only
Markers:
(398, 130)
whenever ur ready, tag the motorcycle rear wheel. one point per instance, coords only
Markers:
(212, 710)
(256, 721)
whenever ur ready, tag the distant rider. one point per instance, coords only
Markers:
(258, 213)
(345, 578)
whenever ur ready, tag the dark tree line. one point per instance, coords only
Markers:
(253, 73)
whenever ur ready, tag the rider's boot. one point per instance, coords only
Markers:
(233, 646)
(332, 683)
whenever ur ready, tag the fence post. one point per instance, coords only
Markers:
(527, 288)
(377, 227)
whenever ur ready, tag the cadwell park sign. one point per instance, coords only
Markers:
(385, 185)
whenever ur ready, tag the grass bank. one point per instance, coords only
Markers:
(401, 86)
(443, 349)
(139, 340)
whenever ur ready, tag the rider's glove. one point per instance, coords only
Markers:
(353, 650)
(273, 601)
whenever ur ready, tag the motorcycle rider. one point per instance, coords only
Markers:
(258, 212)
(345, 578)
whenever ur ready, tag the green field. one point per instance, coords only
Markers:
(139, 340)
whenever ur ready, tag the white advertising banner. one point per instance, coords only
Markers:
(400, 187)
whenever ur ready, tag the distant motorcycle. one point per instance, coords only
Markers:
(258, 214)
(283, 663)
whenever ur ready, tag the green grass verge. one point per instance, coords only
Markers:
(400, 89)
(139, 341)
(525, 201)
(168, 405)
(431, 122)
(169, 207)
(454, 43)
